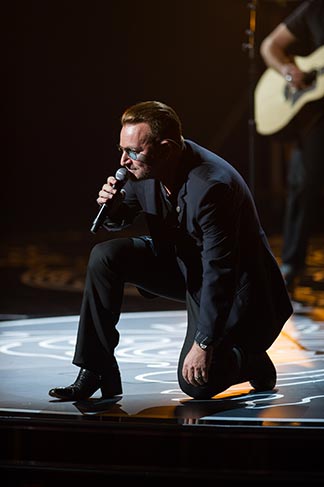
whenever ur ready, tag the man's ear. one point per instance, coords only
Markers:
(164, 144)
(165, 147)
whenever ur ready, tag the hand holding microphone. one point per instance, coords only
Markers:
(121, 178)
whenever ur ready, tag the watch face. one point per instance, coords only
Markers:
(203, 342)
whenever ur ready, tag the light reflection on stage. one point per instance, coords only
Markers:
(36, 354)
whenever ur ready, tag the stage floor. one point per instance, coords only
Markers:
(36, 354)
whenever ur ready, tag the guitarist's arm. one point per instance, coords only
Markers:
(274, 51)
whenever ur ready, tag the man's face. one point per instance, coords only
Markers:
(139, 156)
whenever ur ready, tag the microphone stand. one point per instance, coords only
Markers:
(249, 47)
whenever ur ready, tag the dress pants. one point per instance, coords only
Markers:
(305, 186)
(227, 365)
(112, 264)
(133, 260)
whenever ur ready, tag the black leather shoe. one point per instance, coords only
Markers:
(110, 384)
(86, 384)
(263, 372)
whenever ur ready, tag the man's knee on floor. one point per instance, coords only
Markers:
(199, 392)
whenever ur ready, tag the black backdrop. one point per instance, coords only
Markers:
(71, 67)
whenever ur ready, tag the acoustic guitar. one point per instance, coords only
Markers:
(276, 103)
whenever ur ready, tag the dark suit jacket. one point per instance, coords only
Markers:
(221, 248)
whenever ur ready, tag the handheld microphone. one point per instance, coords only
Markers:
(121, 176)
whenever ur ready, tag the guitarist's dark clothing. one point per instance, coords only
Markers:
(306, 167)
(307, 24)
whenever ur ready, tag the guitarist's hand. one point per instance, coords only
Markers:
(294, 76)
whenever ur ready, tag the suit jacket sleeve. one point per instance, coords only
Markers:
(122, 213)
(218, 217)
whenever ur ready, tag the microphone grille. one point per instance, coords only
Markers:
(121, 174)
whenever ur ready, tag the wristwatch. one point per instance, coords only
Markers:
(203, 341)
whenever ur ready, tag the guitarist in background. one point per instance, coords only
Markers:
(300, 34)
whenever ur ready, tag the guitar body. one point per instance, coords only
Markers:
(276, 104)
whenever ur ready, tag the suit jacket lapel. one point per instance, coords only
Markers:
(182, 203)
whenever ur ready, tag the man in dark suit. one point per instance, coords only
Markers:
(205, 247)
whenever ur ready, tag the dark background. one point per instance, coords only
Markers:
(71, 68)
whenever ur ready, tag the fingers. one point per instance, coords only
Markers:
(107, 191)
(195, 377)
(294, 76)
(199, 379)
(196, 365)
